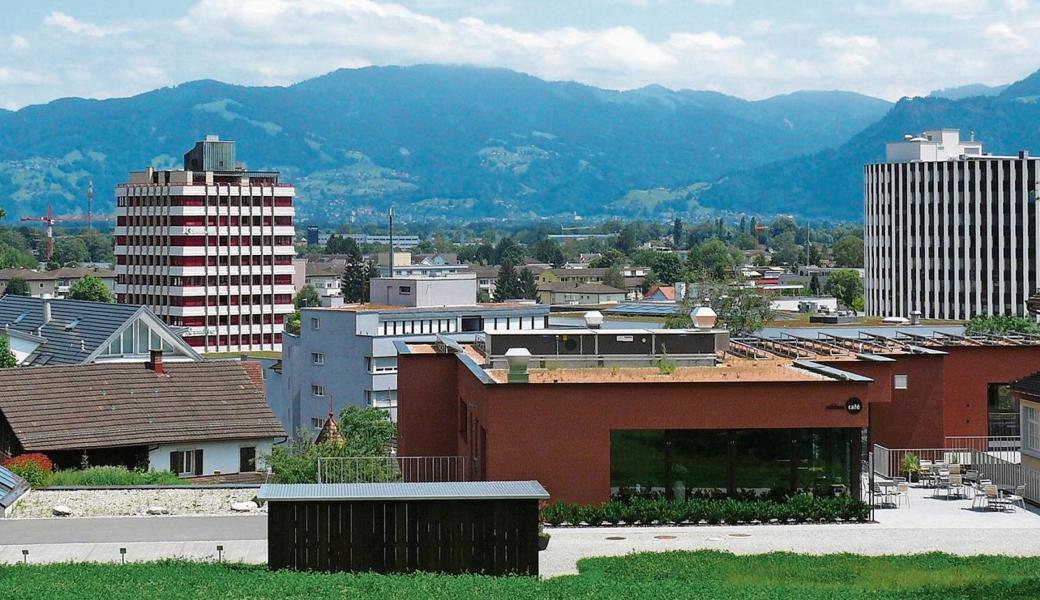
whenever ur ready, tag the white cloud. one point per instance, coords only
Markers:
(760, 26)
(18, 42)
(849, 41)
(944, 7)
(1004, 34)
(708, 40)
(1017, 6)
(74, 26)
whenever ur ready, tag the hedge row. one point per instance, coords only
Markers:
(660, 511)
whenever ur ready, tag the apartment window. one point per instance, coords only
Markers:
(317, 423)
(315, 323)
(900, 382)
(1030, 429)
(382, 364)
(317, 358)
(381, 398)
(318, 390)
(405, 290)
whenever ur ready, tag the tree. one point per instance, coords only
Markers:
(292, 322)
(69, 251)
(528, 285)
(608, 259)
(667, 267)
(7, 359)
(548, 251)
(367, 433)
(1000, 325)
(91, 288)
(713, 258)
(308, 297)
(626, 240)
(677, 232)
(507, 286)
(509, 251)
(614, 278)
(814, 285)
(846, 285)
(356, 276)
(17, 287)
(741, 309)
(848, 252)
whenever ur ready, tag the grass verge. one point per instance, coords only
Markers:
(703, 574)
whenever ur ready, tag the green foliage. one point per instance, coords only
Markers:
(14, 258)
(641, 510)
(740, 309)
(90, 287)
(846, 285)
(292, 322)
(848, 252)
(31, 472)
(508, 251)
(307, 298)
(111, 476)
(528, 284)
(357, 274)
(607, 259)
(614, 278)
(713, 259)
(70, 251)
(814, 285)
(508, 285)
(367, 432)
(548, 251)
(704, 574)
(1000, 325)
(7, 359)
(17, 287)
(909, 464)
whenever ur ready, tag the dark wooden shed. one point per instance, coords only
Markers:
(488, 527)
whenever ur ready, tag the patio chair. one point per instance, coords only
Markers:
(979, 491)
(956, 484)
(955, 469)
(994, 499)
(882, 494)
(1018, 497)
(971, 476)
(902, 492)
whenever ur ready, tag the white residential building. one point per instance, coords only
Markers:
(950, 231)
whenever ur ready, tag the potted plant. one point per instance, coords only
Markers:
(910, 465)
(543, 538)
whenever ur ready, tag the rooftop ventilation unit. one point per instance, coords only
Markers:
(593, 319)
(703, 317)
(518, 360)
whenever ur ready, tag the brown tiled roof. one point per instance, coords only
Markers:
(62, 273)
(105, 405)
(330, 432)
(581, 288)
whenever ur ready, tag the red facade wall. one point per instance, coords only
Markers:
(427, 424)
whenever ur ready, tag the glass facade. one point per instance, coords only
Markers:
(734, 459)
(1003, 411)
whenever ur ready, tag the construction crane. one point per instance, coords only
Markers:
(49, 219)
(759, 228)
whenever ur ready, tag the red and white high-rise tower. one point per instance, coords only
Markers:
(209, 248)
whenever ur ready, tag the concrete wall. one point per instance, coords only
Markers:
(441, 291)
(218, 456)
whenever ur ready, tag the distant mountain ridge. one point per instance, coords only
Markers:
(829, 184)
(437, 141)
(968, 91)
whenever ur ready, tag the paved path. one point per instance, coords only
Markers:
(132, 529)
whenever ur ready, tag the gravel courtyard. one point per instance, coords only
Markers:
(132, 502)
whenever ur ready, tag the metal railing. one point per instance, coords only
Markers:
(412, 469)
(888, 461)
(992, 466)
(985, 443)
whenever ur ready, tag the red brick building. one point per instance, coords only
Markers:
(752, 413)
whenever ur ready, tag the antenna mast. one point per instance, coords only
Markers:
(90, 206)
(391, 214)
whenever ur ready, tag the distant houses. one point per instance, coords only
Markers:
(55, 283)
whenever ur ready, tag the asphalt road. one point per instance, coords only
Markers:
(132, 529)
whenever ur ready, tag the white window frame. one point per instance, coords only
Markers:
(317, 422)
(900, 382)
(318, 358)
(1030, 429)
(315, 323)
(187, 462)
(317, 390)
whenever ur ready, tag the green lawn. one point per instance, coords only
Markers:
(705, 574)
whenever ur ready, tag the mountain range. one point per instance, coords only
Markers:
(445, 142)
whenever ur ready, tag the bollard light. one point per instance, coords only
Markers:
(122, 555)
(220, 553)
(25, 556)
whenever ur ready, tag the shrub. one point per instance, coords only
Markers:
(30, 472)
(40, 459)
(646, 510)
(111, 476)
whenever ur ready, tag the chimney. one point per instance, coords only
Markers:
(46, 308)
(155, 363)
(915, 317)
(518, 360)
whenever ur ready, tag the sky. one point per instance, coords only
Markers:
(748, 48)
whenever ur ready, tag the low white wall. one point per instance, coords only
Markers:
(222, 456)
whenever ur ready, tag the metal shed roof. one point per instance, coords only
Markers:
(11, 487)
(464, 490)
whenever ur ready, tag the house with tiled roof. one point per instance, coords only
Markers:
(579, 293)
(660, 293)
(45, 331)
(56, 282)
(193, 418)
